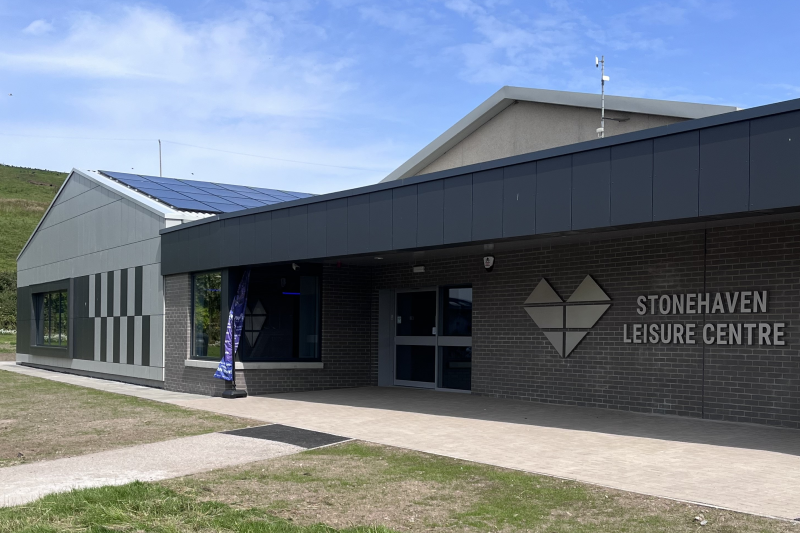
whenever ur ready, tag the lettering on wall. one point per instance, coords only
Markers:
(716, 332)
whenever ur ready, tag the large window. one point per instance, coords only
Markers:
(52, 316)
(283, 316)
(206, 309)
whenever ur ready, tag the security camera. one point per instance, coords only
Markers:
(596, 61)
(295, 266)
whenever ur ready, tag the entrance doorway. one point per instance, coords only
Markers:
(433, 338)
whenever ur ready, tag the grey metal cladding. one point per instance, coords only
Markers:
(116, 339)
(146, 340)
(110, 294)
(457, 209)
(247, 240)
(280, 235)
(229, 237)
(104, 339)
(487, 204)
(317, 234)
(337, 226)
(298, 232)
(775, 161)
(676, 167)
(358, 224)
(137, 290)
(519, 200)
(430, 213)
(724, 169)
(129, 352)
(554, 194)
(591, 189)
(260, 240)
(404, 217)
(123, 292)
(380, 220)
(632, 183)
(210, 254)
(98, 300)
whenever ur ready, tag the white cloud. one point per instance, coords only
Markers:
(38, 27)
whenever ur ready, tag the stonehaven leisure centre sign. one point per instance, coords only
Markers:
(714, 333)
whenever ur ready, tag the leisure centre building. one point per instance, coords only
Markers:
(656, 270)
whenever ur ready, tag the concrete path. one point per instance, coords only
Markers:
(146, 462)
(742, 467)
(736, 466)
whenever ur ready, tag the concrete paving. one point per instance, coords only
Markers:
(146, 462)
(741, 467)
(735, 466)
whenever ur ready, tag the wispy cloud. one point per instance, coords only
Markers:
(38, 27)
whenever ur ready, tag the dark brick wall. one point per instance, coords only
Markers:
(513, 359)
(346, 332)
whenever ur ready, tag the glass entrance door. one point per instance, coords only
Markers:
(415, 339)
(433, 338)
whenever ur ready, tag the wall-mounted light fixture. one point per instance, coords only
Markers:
(419, 269)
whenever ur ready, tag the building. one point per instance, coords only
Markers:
(655, 270)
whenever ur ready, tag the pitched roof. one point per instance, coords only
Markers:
(508, 95)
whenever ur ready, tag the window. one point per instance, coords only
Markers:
(457, 311)
(52, 319)
(206, 308)
(283, 316)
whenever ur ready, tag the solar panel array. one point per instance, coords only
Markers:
(203, 196)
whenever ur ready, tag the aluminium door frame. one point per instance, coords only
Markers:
(437, 341)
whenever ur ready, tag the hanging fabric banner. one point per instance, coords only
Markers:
(234, 330)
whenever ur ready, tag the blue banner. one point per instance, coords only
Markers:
(234, 330)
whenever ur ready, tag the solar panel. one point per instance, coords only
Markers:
(203, 196)
(192, 205)
(225, 208)
(247, 202)
(162, 193)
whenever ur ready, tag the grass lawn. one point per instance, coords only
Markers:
(43, 419)
(8, 347)
(359, 487)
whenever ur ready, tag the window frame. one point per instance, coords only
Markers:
(39, 299)
(192, 353)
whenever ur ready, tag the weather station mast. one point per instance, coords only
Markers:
(601, 131)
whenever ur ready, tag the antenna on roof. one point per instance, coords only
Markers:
(160, 175)
(601, 131)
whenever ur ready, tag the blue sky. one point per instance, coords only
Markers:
(336, 94)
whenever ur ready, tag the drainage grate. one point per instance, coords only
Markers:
(289, 435)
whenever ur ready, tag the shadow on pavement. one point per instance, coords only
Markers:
(671, 428)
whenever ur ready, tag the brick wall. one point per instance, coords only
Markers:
(346, 332)
(513, 359)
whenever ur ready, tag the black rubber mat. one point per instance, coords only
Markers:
(289, 435)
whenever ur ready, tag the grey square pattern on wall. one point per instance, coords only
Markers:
(127, 320)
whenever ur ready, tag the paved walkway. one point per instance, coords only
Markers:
(736, 466)
(146, 462)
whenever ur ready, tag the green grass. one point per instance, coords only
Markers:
(43, 419)
(359, 483)
(146, 507)
(364, 488)
(25, 194)
(8, 343)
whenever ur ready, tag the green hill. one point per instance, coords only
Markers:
(25, 194)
